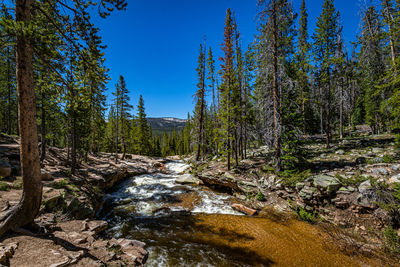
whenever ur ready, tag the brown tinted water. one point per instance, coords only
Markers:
(196, 236)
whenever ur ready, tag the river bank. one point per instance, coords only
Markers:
(182, 215)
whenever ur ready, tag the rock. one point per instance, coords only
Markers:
(394, 179)
(340, 152)
(307, 192)
(187, 179)
(46, 176)
(323, 155)
(5, 169)
(299, 186)
(134, 253)
(377, 150)
(326, 184)
(396, 167)
(6, 252)
(243, 209)
(365, 186)
(370, 154)
(55, 201)
(377, 160)
(79, 210)
(248, 187)
(361, 160)
(97, 226)
(380, 171)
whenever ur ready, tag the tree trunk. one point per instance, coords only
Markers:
(275, 90)
(9, 92)
(27, 209)
(43, 128)
(341, 112)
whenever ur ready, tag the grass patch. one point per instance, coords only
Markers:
(291, 178)
(354, 180)
(392, 240)
(388, 159)
(4, 186)
(303, 214)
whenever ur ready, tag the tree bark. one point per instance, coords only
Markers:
(29, 205)
(43, 128)
(275, 89)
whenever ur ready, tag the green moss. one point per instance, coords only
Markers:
(4, 186)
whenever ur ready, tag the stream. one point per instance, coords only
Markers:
(188, 225)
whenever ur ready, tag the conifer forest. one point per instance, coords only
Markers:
(290, 155)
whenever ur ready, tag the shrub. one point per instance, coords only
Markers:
(291, 178)
(4, 186)
(306, 216)
(388, 159)
(392, 240)
(260, 196)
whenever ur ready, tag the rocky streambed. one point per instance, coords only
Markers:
(184, 224)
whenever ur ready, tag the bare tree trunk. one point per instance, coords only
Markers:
(9, 91)
(27, 209)
(275, 90)
(341, 112)
(43, 128)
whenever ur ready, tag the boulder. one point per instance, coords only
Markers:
(340, 152)
(248, 187)
(365, 186)
(187, 179)
(377, 160)
(46, 176)
(243, 209)
(307, 192)
(299, 186)
(326, 184)
(394, 179)
(79, 210)
(380, 171)
(5, 169)
(377, 150)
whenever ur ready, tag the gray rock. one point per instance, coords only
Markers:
(377, 160)
(326, 184)
(307, 193)
(340, 152)
(394, 179)
(377, 150)
(380, 171)
(299, 186)
(5, 169)
(187, 179)
(365, 186)
(396, 167)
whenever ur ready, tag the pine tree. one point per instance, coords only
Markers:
(143, 129)
(227, 88)
(303, 60)
(200, 103)
(325, 46)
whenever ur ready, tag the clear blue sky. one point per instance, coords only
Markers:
(154, 44)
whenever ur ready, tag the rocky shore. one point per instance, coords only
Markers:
(66, 231)
(354, 185)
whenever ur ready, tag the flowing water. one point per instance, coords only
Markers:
(186, 225)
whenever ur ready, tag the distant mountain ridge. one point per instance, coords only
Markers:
(166, 124)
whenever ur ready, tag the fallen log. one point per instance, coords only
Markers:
(243, 209)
